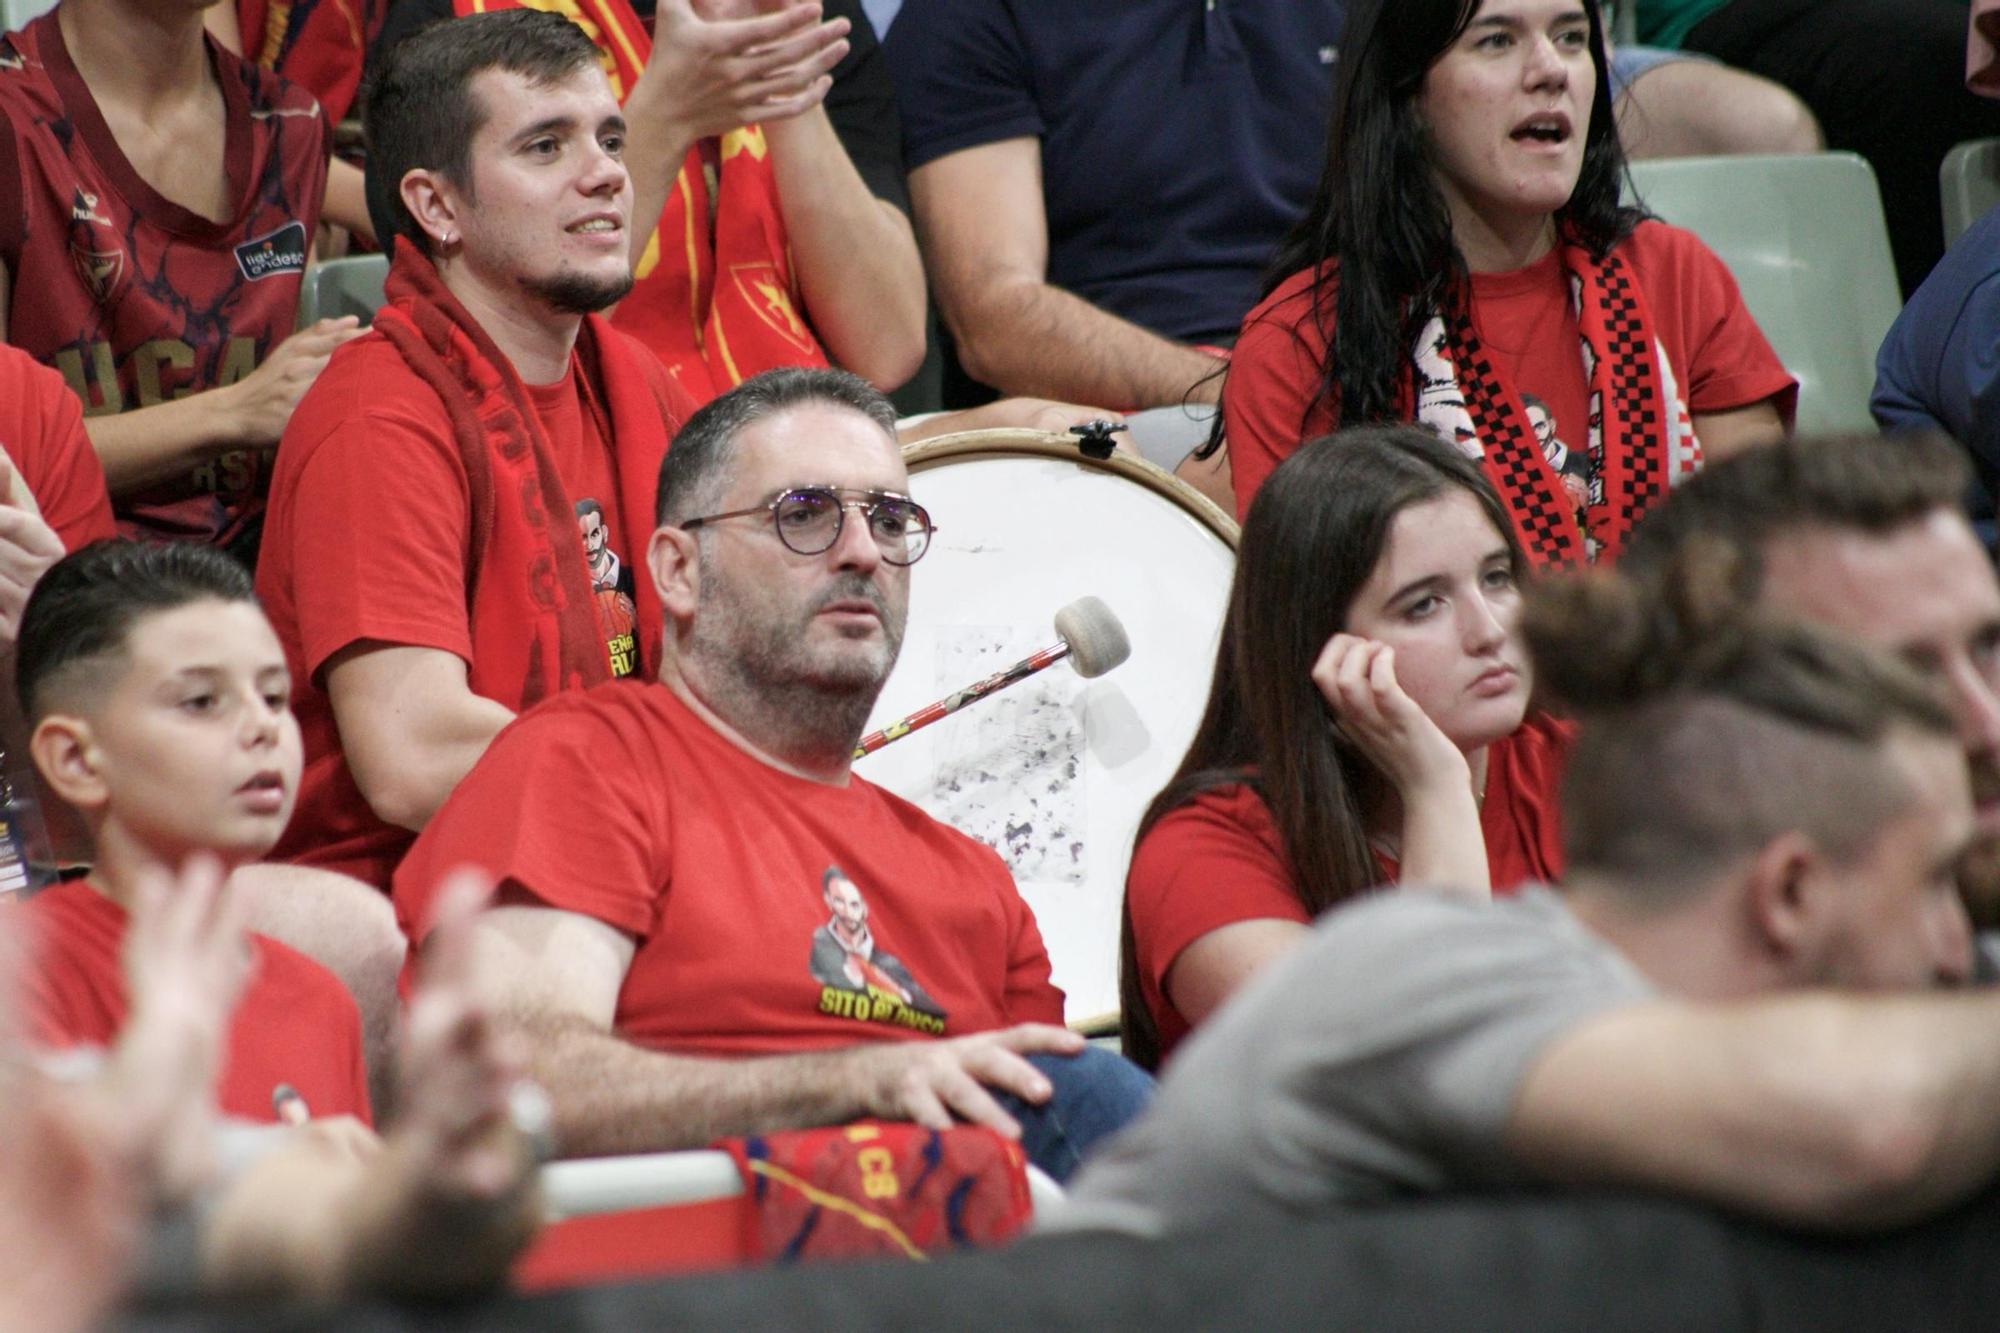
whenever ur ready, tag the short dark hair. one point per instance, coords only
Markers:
(1710, 727)
(418, 110)
(85, 606)
(588, 505)
(696, 469)
(1863, 483)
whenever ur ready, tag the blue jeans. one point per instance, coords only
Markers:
(1096, 1093)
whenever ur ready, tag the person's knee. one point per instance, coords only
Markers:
(1696, 108)
(343, 924)
(1099, 1083)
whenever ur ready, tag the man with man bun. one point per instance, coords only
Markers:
(1867, 537)
(1732, 998)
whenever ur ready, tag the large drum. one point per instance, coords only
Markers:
(1054, 772)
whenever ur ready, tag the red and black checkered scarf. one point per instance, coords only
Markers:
(1641, 435)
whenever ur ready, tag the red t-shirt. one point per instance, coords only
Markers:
(580, 434)
(620, 804)
(372, 540)
(41, 428)
(294, 1023)
(1527, 324)
(135, 299)
(318, 44)
(1219, 859)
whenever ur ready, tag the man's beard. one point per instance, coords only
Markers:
(578, 293)
(799, 705)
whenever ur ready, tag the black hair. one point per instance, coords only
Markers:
(696, 469)
(419, 111)
(1379, 227)
(84, 607)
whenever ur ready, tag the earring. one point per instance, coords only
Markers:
(446, 239)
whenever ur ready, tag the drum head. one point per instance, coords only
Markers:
(1055, 771)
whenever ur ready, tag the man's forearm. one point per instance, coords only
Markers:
(407, 790)
(1937, 1129)
(613, 1097)
(856, 256)
(653, 156)
(145, 446)
(1817, 1108)
(1027, 337)
(347, 199)
(410, 726)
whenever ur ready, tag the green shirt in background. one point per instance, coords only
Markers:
(1665, 23)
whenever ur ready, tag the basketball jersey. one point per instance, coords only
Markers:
(135, 299)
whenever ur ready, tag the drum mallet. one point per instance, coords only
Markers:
(1092, 640)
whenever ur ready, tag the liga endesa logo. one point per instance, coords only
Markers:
(280, 251)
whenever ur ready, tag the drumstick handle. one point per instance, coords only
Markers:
(951, 703)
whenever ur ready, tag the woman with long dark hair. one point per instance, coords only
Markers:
(1367, 721)
(1466, 248)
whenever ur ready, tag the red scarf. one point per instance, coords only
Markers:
(882, 1189)
(535, 627)
(1641, 436)
(319, 44)
(716, 297)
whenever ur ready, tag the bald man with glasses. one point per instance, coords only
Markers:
(664, 851)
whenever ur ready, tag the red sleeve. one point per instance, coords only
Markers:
(379, 530)
(41, 428)
(1031, 996)
(1522, 814)
(1211, 863)
(1720, 355)
(1273, 375)
(566, 807)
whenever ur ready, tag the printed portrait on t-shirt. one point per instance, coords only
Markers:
(611, 583)
(859, 978)
(1570, 464)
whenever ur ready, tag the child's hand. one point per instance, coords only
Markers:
(186, 958)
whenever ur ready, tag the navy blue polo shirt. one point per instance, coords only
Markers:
(1180, 138)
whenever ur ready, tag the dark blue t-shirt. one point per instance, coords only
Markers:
(1939, 368)
(1180, 138)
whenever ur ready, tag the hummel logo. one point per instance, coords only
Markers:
(83, 208)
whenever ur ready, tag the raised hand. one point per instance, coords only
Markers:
(453, 1104)
(28, 546)
(718, 64)
(71, 1207)
(186, 958)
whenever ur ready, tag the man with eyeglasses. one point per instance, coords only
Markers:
(668, 854)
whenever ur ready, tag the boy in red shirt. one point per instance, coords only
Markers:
(159, 705)
(159, 702)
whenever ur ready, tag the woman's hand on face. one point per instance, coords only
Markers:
(1357, 677)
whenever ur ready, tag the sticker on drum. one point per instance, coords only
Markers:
(1054, 771)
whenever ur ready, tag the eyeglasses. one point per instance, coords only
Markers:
(809, 520)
